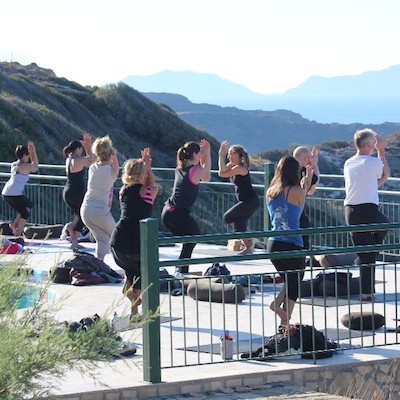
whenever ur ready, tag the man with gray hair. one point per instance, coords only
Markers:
(363, 175)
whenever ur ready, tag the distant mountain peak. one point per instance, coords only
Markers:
(384, 82)
(198, 87)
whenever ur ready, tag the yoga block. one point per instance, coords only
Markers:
(234, 245)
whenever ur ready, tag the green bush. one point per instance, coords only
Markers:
(35, 346)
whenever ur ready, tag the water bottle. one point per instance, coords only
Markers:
(226, 346)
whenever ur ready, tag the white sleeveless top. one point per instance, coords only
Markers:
(16, 184)
(100, 184)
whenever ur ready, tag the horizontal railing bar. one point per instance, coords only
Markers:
(282, 254)
(260, 234)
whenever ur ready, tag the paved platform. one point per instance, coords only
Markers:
(123, 379)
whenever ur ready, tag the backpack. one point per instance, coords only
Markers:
(217, 269)
(296, 337)
(83, 262)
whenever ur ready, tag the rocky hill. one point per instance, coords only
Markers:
(37, 105)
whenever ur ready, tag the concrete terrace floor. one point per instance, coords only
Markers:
(256, 321)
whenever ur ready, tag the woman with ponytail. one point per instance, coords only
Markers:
(75, 188)
(237, 170)
(193, 165)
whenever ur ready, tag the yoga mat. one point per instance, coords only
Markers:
(344, 301)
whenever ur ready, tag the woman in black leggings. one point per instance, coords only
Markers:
(75, 188)
(237, 169)
(193, 166)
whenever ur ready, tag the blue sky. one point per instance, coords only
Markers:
(267, 45)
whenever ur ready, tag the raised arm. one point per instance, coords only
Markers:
(204, 173)
(150, 179)
(314, 165)
(380, 148)
(33, 166)
(114, 164)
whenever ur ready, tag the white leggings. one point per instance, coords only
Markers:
(97, 217)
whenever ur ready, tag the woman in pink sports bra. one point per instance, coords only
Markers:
(193, 166)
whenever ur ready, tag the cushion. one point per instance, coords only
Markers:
(369, 319)
(215, 291)
(43, 232)
(334, 260)
(5, 228)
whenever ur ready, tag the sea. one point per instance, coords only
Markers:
(326, 109)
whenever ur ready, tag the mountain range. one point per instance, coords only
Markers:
(371, 97)
(36, 104)
(259, 130)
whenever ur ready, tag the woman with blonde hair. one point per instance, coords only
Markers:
(286, 197)
(136, 199)
(237, 170)
(95, 209)
(75, 188)
(193, 165)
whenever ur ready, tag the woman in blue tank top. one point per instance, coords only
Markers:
(237, 169)
(286, 197)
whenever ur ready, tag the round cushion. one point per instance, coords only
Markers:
(366, 320)
(5, 228)
(334, 260)
(215, 291)
(43, 232)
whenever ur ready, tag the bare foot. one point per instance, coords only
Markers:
(76, 246)
(282, 314)
(248, 247)
(14, 229)
(74, 237)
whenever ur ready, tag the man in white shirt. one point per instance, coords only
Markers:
(363, 175)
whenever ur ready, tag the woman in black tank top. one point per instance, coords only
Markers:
(193, 166)
(75, 188)
(248, 202)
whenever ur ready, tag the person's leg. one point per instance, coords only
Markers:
(14, 225)
(98, 219)
(364, 214)
(286, 299)
(278, 306)
(23, 207)
(238, 215)
(180, 223)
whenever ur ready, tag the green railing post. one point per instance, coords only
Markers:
(150, 279)
(269, 170)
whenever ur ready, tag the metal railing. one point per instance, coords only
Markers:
(193, 333)
(331, 237)
(324, 209)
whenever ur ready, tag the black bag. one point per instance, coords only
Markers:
(304, 336)
(83, 262)
(165, 279)
(217, 269)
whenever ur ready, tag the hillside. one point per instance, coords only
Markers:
(261, 130)
(37, 105)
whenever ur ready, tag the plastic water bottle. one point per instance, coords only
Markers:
(226, 346)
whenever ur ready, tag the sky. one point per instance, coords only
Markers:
(269, 46)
